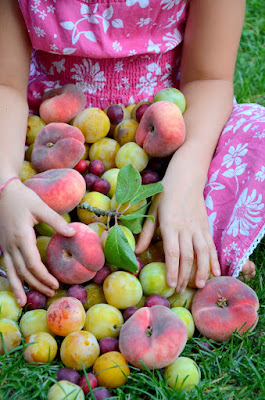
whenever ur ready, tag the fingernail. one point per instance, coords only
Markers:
(201, 284)
(217, 272)
(71, 230)
(172, 284)
(19, 301)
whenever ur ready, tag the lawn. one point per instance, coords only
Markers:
(234, 370)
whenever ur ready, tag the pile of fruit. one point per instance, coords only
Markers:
(113, 310)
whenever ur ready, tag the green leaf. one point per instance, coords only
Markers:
(147, 191)
(134, 221)
(118, 251)
(128, 183)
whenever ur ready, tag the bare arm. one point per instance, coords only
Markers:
(210, 46)
(20, 207)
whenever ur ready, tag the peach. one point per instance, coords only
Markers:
(42, 348)
(8, 306)
(93, 123)
(224, 305)
(65, 390)
(161, 130)
(154, 335)
(182, 299)
(105, 150)
(42, 244)
(79, 349)
(46, 230)
(34, 321)
(75, 259)
(28, 153)
(153, 280)
(187, 318)
(154, 253)
(4, 284)
(35, 124)
(125, 131)
(183, 374)
(111, 370)
(122, 207)
(132, 153)
(111, 176)
(66, 315)
(62, 104)
(95, 295)
(52, 144)
(193, 273)
(27, 171)
(59, 293)
(103, 320)
(98, 227)
(95, 199)
(62, 189)
(122, 289)
(11, 335)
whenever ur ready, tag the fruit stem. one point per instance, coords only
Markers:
(49, 144)
(107, 213)
(221, 302)
(149, 331)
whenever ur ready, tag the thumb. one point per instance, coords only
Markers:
(56, 221)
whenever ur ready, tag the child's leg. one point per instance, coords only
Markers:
(235, 189)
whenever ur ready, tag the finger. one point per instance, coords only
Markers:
(186, 261)
(147, 232)
(214, 263)
(50, 217)
(171, 249)
(32, 259)
(15, 281)
(203, 260)
(27, 276)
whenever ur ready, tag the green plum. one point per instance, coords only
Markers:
(171, 94)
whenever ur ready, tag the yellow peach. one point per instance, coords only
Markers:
(10, 335)
(93, 123)
(132, 153)
(34, 321)
(105, 150)
(79, 349)
(42, 348)
(131, 209)
(65, 390)
(122, 289)
(103, 320)
(111, 175)
(95, 295)
(95, 199)
(8, 306)
(59, 293)
(111, 369)
(27, 171)
(125, 131)
(35, 124)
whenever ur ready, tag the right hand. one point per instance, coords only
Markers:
(20, 209)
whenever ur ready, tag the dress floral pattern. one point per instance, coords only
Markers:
(124, 51)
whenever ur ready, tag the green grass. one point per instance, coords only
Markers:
(234, 370)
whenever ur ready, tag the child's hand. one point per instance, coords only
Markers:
(181, 214)
(20, 210)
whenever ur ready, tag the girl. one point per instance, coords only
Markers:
(123, 52)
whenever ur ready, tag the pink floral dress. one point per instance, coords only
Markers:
(124, 51)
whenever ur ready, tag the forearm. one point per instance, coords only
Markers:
(209, 104)
(13, 127)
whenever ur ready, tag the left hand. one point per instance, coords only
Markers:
(181, 213)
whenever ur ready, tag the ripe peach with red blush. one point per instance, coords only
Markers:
(224, 305)
(61, 189)
(75, 259)
(66, 315)
(52, 144)
(62, 104)
(161, 130)
(153, 334)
